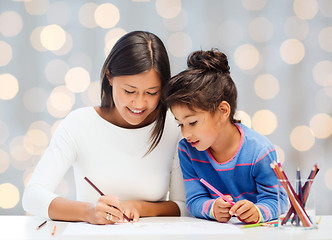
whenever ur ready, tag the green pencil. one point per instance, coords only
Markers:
(272, 223)
(252, 225)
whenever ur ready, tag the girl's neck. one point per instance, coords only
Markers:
(225, 148)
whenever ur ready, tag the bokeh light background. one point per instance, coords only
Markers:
(280, 54)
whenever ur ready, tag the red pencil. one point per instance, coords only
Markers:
(292, 195)
(305, 190)
(41, 225)
(102, 194)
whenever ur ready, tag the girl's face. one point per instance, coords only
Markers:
(136, 98)
(200, 128)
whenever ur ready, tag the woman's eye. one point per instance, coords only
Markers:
(193, 123)
(129, 92)
(152, 93)
(180, 125)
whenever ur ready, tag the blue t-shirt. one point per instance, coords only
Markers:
(247, 175)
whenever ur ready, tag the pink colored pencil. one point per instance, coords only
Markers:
(216, 191)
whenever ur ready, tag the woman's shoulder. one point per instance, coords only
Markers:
(77, 117)
(83, 111)
(81, 114)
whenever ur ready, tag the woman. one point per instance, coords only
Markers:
(125, 146)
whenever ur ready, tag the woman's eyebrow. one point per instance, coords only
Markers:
(136, 87)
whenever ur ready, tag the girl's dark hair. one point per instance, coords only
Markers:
(134, 53)
(204, 84)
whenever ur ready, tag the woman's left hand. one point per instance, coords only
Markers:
(131, 209)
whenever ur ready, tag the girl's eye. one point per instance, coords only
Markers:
(128, 92)
(193, 123)
(152, 94)
(180, 125)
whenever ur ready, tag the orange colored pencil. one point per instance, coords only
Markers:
(54, 228)
(292, 195)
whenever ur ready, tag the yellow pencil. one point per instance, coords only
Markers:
(318, 221)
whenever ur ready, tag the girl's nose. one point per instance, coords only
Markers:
(185, 133)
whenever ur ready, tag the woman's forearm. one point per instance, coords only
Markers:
(68, 210)
(153, 209)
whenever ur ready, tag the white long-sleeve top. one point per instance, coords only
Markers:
(112, 158)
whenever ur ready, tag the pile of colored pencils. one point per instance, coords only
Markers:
(297, 199)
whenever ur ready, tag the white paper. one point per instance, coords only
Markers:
(153, 228)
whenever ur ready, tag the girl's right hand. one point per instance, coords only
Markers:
(107, 210)
(221, 209)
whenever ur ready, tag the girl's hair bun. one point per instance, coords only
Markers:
(212, 60)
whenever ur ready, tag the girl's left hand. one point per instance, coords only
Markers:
(131, 209)
(245, 211)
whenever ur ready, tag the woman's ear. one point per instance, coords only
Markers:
(108, 75)
(225, 109)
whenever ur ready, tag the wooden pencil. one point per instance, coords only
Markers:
(102, 194)
(292, 195)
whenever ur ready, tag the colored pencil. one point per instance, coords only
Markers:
(41, 225)
(264, 224)
(305, 190)
(291, 194)
(102, 194)
(251, 225)
(299, 209)
(216, 191)
(299, 192)
(54, 228)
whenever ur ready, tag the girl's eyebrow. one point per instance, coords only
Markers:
(136, 87)
(190, 115)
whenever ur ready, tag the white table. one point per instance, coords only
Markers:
(24, 227)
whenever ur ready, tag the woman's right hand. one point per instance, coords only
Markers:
(107, 210)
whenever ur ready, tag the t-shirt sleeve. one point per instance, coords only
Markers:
(198, 199)
(50, 170)
(177, 192)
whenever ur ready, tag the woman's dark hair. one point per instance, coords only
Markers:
(204, 84)
(134, 53)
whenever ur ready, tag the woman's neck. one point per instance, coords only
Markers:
(111, 115)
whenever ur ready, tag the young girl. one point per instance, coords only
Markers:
(217, 148)
(125, 146)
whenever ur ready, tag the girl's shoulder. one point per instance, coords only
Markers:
(254, 138)
(250, 133)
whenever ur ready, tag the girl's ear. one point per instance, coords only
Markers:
(225, 109)
(108, 75)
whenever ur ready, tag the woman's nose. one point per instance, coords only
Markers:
(139, 102)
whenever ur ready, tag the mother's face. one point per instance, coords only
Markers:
(136, 98)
